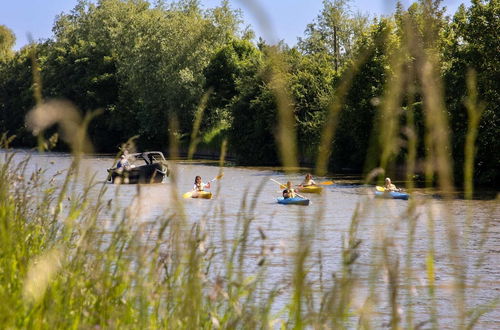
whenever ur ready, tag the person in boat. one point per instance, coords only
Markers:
(199, 185)
(308, 181)
(389, 186)
(289, 192)
(123, 163)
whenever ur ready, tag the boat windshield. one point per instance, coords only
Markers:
(155, 157)
(139, 159)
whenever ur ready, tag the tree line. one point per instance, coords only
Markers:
(154, 69)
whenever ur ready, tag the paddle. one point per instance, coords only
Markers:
(326, 183)
(379, 188)
(218, 177)
(282, 185)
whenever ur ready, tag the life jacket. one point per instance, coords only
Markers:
(391, 187)
(200, 187)
(290, 193)
(308, 182)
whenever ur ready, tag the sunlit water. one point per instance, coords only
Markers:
(328, 217)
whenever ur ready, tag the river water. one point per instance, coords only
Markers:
(328, 218)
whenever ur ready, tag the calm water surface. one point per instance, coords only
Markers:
(328, 217)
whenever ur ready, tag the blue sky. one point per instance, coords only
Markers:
(287, 19)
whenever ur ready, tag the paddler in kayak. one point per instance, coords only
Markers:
(199, 185)
(289, 192)
(389, 186)
(308, 181)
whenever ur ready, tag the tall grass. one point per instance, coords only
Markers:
(60, 269)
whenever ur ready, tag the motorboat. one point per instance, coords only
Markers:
(144, 167)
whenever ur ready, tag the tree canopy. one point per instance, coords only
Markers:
(147, 66)
(7, 41)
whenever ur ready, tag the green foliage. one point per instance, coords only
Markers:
(356, 123)
(311, 80)
(427, 21)
(145, 64)
(334, 33)
(162, 63)
(141, 64)
(254, 121)
(475, 46)
(86, 74)
(16, 96)
(7, 41)
(224, 76)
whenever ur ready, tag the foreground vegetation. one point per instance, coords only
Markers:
(73, 258)
(147, 67)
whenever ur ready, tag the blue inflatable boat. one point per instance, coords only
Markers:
(293, 201)
(392, 194)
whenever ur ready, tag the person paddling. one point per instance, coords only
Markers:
(308, 181)
(199, 185)
(389, 186)
(289, 192)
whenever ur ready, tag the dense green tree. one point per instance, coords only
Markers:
(310, 79)
(144, 63)
(252, 133)
(358, 116)
(138, 63)
(236, 78)
(245, 82)
(161, 61)
(16, 96)
(476, 46)
(224, 77)
(334, 32)
(7, 41)
(228, 66)
(82, 67)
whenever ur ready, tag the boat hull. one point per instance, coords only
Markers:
(198, 194)
(392, 195)
(152, 173)
(293, 201)
(311, 189)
